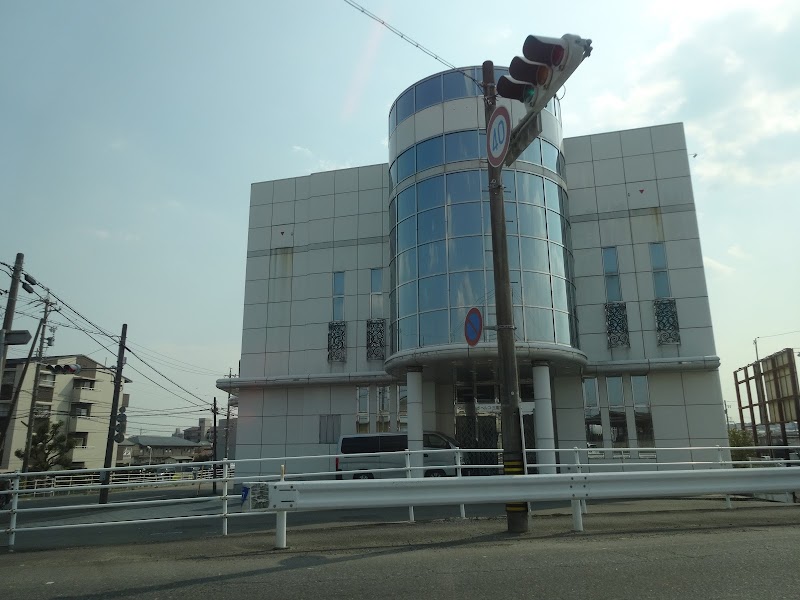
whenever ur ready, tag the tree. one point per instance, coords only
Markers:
(49, 447)
(739, 438)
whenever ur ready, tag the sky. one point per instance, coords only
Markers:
(131, 132)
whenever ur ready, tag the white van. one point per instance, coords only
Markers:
(353, 448)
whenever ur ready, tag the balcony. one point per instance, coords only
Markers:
(84, 394)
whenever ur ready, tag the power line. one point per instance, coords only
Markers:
(403, 36)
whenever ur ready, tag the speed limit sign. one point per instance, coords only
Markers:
(498, 136)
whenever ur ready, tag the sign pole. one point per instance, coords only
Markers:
(516, 512)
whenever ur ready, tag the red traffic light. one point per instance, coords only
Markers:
(545, 50)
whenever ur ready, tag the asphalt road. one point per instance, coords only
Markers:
(636, 551)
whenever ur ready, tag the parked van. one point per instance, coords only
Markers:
(353, 447)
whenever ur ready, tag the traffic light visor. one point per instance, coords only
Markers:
(546, 50)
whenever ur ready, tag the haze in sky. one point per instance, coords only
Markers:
(132, 132)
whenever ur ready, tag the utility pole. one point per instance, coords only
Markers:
(35, 392)
(106, 477)
(228, 416)
(11, 306)
(214, 447)
(516, 512)
(6, 423)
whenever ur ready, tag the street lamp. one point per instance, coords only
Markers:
(150, 458)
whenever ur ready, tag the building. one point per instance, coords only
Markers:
(359, 280)
(82, 401)
(161, 450)
(204, 432)
(200, 432)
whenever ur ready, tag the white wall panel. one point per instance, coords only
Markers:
(615, 232)
(582, 201)
(639, 168)
(283, 213)
(590, 290)
(588, 262)
(320, 230)
(646, 229)
(669, 423)
(275, 402)
(706, 421)
(580, 175)
(578, 149)
(345, 228)
(668, 137)
(273, 430)
(344, 258)
(682, 254)
(606, 145)
(371, 177)
(585, 235)
(276, 363)
(280, 289)
(261, 193)
(279, 314)
(608, 172)
(611, 198)
(693, 312)
(253, 341)
(248, 430)
(697, 341)
(460, 114)
(345, 180)
(672, 164)
(257, 268)
(429, 122)
(260, 215)
(321, 184)
(283, 191)
(636, 141)
(687, 283)
(252, 365)
(680, 225)
(345, 204)
(370, 225)
(595, 345)
(255, 292)
(371, 201)
(277, 339)
(643, 194)
(254, 316)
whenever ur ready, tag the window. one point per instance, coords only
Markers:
(376, 293)
(616, 412)
(338, 296)
(47, 379)
(429, 93)
(429, 153)
(458, 84)
(642, 414)
(658, 260)
(362, 409)
(462, 145)
(384, 419)
(611, 272)
(405, 106)
(330, 427)
(81, 410)
(406, 163)
(81, 439)
(591, 412)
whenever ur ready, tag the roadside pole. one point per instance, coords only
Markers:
(516, 512)
(106, 477)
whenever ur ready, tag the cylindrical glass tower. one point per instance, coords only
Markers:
(441, 250)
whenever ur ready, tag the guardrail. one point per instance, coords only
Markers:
(583, 475)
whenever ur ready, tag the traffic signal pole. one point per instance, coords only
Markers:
(11, 306)
(516, 512)
(106, 477)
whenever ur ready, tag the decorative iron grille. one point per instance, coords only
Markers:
(617, 325)
(337, 341)
(376, 339)
(667, 328)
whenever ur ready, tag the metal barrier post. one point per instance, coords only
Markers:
(408, 474)
(721, 463)
(280, 523)
(12, 524)
(458, 474)
(225, 496)
(577, 509)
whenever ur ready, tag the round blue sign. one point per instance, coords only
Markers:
(473, 326)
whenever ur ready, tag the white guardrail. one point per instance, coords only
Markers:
(583, 476)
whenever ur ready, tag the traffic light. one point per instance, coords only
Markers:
(534, 79)
(545, 65)
(64, 369)
(120, 425)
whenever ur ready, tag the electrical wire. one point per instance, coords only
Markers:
(403, 36)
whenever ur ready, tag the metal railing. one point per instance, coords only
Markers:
(631, 475)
